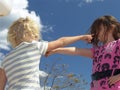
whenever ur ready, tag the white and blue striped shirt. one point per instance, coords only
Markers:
(22, 65)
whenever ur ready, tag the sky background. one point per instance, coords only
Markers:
(60, 18)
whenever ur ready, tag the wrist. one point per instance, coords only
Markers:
(82, 37)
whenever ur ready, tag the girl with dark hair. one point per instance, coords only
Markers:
(105, 33)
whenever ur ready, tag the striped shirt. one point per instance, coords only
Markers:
(22, 65)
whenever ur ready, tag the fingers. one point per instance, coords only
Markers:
(88, 38)
(48, 53)
(113, 80)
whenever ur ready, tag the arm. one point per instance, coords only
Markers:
(72, 51)
(67, 40)
(3, 79)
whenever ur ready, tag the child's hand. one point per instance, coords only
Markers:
(50, 53)
(87, 38)
(114, 79)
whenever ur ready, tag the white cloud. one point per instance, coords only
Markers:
(83, 2)
(17, 4)
(80, 2)
(43, 74)
(3, 41)
(48, 28)
(88, 1)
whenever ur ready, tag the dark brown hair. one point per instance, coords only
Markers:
(108, 23)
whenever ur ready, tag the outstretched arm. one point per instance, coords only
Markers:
(64, 41)
(72, 51)
(2, 79)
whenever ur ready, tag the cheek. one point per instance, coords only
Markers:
(101, 35)
(101, 38)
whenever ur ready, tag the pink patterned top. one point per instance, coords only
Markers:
(105, 57)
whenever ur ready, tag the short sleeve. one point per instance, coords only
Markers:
(42, 46)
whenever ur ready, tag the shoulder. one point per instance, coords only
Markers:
(118, 41)
(33, 44)
(39, 44)
(94, 48)
(42, 46)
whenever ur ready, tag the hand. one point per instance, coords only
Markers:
(114, 79)
(87, 38)
(50, 53)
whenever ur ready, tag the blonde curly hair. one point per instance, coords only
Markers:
(23, 30)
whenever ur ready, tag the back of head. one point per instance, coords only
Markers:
(23, 30)
(109, 23)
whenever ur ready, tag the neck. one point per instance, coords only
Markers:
(110, 39)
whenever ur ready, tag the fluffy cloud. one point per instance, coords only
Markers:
(90, 1)
(80, 3)
(83, 2)
(87, 1)
(43, 74)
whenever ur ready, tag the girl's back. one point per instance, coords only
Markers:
(22, 66)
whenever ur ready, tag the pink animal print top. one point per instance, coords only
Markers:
(105, 57)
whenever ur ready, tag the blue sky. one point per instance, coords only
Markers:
(66, 18)
(72, 17)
